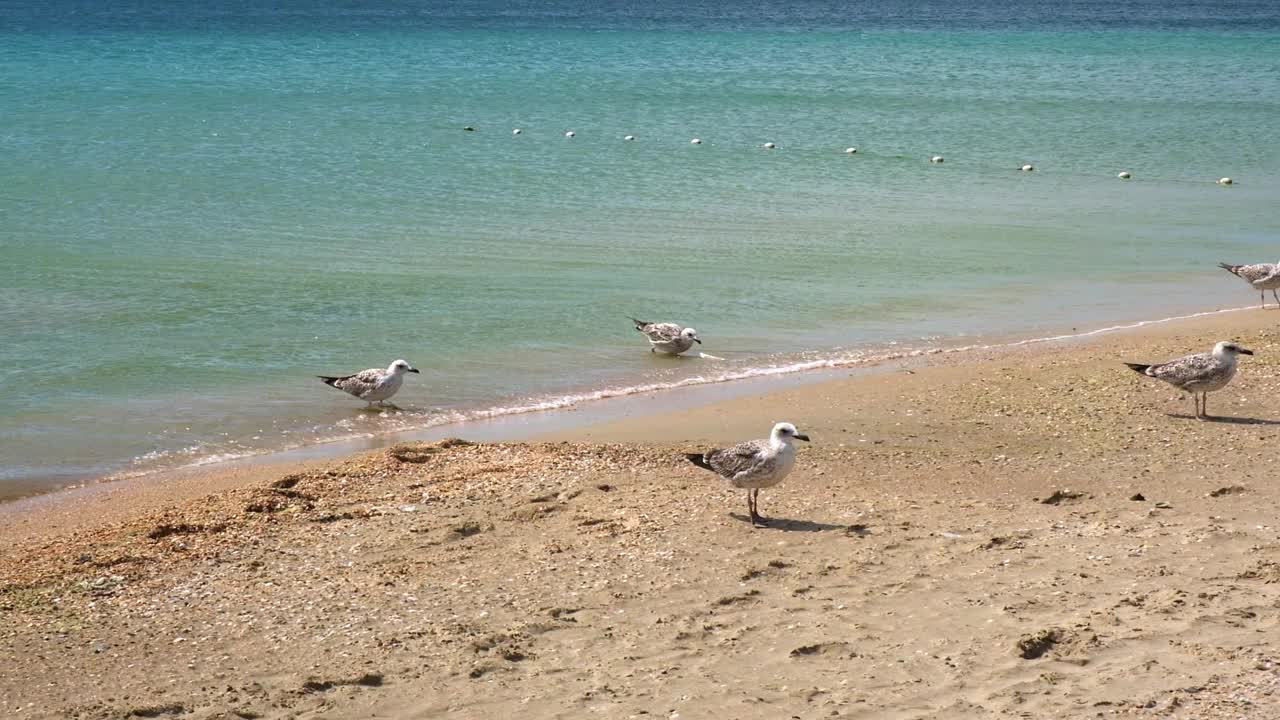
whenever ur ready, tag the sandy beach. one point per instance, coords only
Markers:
(1026, 532)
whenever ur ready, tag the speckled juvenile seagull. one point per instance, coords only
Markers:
(373, 385)
(1262, 276)
(754, 464)
(665, 337)
(1198, 374)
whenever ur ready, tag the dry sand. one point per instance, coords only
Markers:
(1033, 533)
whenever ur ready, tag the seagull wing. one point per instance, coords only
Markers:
(359, 384)
(1185, 371)
(1257, 272)
(662, 332)
(1271, 276)
(745, 457)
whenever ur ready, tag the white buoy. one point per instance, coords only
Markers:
(1224, 181)
(1028, 168)
(570, 134)
(695, 141)
(629, 137)
(936, 159)
(1125, 175)
(517, 131)
(769, 146)
(851, 151)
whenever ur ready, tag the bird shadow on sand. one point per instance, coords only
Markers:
(787, 525)
(1226, 420)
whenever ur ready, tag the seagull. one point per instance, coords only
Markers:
(754, 464)
(1262, 276)
(1198, 374)
(372, 385)
(669, 338)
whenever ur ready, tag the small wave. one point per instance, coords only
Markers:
(350, 429)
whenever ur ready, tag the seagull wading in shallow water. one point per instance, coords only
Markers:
(754, 464)
(1262, 276)
(372, 385)
(1198, 374)
(669, 338)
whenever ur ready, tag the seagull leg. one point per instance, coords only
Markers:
(1277, 297)
(1204, 405)
(1264, 299)
(757, 520)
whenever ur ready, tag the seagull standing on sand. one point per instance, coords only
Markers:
(669, 338)
(372, 385)
(1198, 374)
(754, 464)
(1262, 276)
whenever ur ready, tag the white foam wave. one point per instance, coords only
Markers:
(199, 455)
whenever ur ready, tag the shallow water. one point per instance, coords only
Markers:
(202, 209)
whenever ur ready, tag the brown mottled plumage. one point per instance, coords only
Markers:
(1198, 374)
(1261, 276)
(373, 385)
(669, 338)
(754, 464)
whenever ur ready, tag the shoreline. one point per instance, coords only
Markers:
(1055, 520)
(628, 418)
(577, 410)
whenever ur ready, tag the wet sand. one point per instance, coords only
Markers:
(1031, 532)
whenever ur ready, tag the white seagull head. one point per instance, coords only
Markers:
(1229, 349)
(786, 432)
(690, 334)
(401, 367)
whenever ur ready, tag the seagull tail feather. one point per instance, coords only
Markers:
(1138, 368)
(698, 459)
(330, 381)
(1233, 269)
(639, 323)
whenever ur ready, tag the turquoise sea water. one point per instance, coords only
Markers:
(204, 206)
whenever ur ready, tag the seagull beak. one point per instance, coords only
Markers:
(1245, 352)
(700, 342)
(413, 370)
(802, 437)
